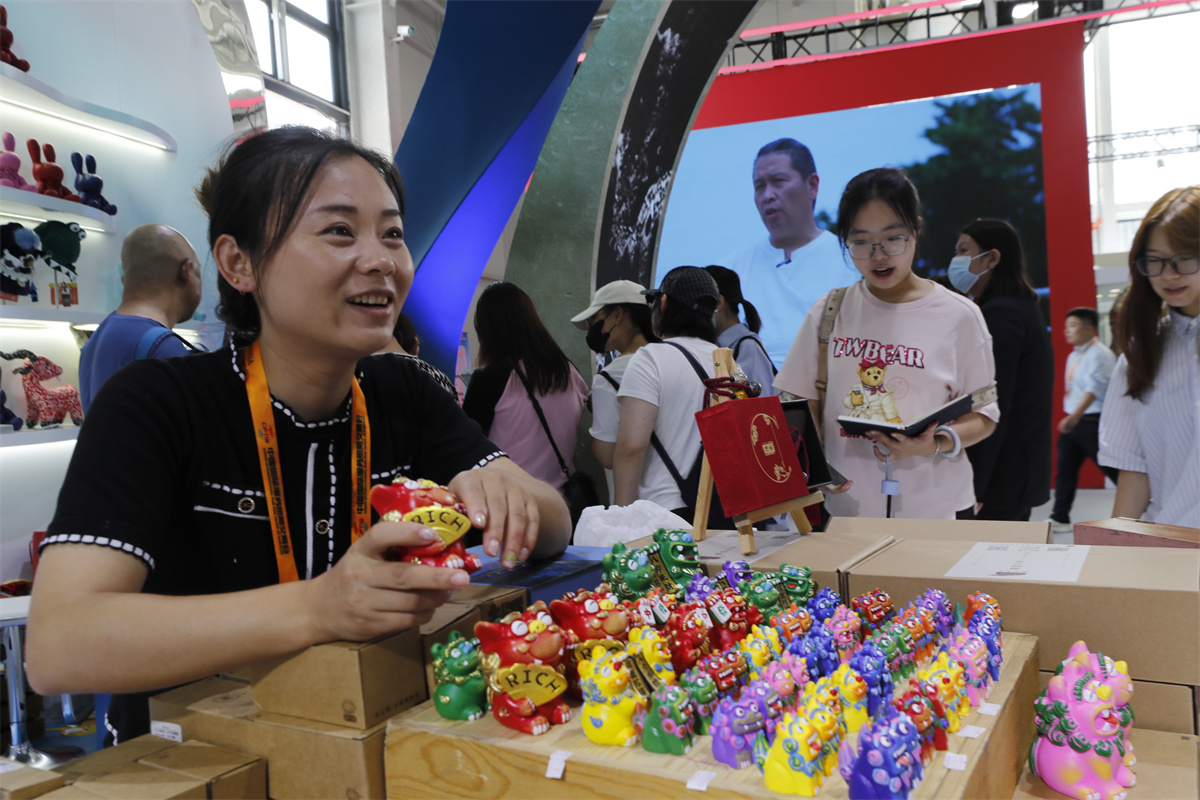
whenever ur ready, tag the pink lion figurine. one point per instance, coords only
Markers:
(1081, 748)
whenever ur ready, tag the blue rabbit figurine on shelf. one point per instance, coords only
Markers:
(89, 184)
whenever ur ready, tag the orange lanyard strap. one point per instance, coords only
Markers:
(268, 460)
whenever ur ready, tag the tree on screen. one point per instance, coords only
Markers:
(991, 166)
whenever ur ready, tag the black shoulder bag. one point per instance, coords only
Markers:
(580, 489)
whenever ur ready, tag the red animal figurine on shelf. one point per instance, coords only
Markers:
(6, 43)
(49, 175)
(435, 506)
(49, 406)
(523, 661)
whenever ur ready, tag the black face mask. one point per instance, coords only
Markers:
(597, 337)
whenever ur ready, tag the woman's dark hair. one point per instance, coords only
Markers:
(730, 286)
(640, 317)
(891, 186)
(509, 329)
(256, 192)
(1008, 278)
(1138, 329)
(405, 333)
(681, 320)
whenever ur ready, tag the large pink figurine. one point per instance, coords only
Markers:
(1081, 748)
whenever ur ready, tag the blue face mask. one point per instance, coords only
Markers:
(960, 274)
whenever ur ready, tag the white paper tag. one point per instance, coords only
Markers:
(9, 766)
(700, 780)
(661, 612)
(956, 761)
(558, 761)
(1060, 563)
(166, 730)
(971, 732)
(989, 709)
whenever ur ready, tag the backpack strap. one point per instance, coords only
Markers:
(613, 381)
(654, 440)
(833, 304)
(150, 340)
(737, 348)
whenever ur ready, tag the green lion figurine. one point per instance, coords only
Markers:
(461, 688)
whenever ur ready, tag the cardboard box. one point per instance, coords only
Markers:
(829, 555)
(971, 530)
(1156, 706)
(20, 781)
(1168, 766)
(224, 774)
(493, 602)
(112, 758)
(228, 775)
(1140, 605)
(136, 781)
(356, 684)
(435, 758)
(307, 759)
(1135, 533)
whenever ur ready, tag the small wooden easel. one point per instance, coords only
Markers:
(724, 368)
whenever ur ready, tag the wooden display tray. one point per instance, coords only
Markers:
(430, 757)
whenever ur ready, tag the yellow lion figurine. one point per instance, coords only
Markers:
(608, 701)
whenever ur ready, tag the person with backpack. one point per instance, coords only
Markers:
(160, 289)
(748, 350)
(658, 452)
(617, 320)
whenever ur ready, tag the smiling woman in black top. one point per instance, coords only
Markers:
(215, 512)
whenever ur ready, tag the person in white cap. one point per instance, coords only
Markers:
(618, 319)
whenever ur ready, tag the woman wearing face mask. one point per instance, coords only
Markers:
(1150, 430)
(748, 350)
(900, 347)
(618, 319)
(1012, 466)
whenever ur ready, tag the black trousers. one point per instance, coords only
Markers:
(1074, 447)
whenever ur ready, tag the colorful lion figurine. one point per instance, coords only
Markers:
(668, 725)
(609, 703)
(1081, 749)
(427, 503)
(461, 688)
(523, 655)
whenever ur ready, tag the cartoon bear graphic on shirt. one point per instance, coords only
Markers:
(869, 398)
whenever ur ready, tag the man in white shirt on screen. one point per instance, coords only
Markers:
(798, 262)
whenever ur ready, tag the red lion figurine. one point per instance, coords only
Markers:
(523, 662)
(426, 502)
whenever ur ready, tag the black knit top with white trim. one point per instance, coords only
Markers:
(166, 469)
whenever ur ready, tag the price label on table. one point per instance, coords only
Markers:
(989, 709)
(971, 732)
(558, 762)
(956, 761)
(699, 782)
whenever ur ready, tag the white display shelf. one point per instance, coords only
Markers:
(30, 209)
(25, 91)
(66, 433)
(22, 315)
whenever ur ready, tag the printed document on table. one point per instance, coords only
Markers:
(1022, 562)
(726, 548)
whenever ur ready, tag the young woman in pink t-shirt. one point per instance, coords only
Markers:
(900, 347)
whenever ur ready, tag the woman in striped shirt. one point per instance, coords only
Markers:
(1150, 427)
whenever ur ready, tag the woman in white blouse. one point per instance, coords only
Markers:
(1150, 428)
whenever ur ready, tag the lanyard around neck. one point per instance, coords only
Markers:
(268, 460)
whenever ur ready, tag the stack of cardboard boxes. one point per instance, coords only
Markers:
(148, 768)
(319, 717)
